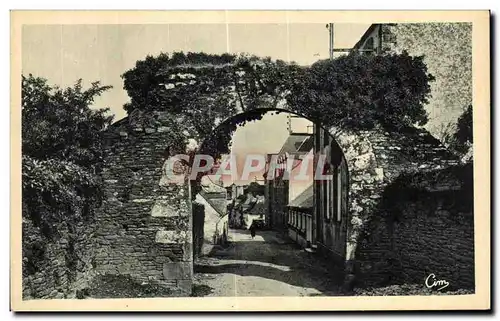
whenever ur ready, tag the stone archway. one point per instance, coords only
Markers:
(144, 225)
(196, 185)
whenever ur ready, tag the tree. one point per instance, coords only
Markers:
(463, 136)
(59, 124)
(61, 146)
(205, 90)
(255, 188)
(362, 91)
(459, 136)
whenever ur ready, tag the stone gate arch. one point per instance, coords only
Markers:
(336, 150)
(144, 225)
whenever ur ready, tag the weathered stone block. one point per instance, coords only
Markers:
(379, 174)
(185, 286)
(171, 237)
(142, 200)
(177, 270)
(163, 129)
(163, 208)
(363, 162)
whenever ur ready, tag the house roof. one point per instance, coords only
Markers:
(210, 186)
(217, 201)
(304, 199)
(293, 143)
(365, 36)
(307, 144)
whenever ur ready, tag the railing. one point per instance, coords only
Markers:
(300, 220)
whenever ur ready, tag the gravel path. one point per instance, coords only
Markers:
(264, 266)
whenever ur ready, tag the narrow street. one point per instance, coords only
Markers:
(264, 266)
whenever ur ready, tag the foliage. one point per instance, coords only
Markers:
(143, 80)
(33, 248)
(201, 290)
(205, 90)
(61, 144)
(362, 91)
(255, 188)
(357, 91)
(57, 191)
(242, 198)
(463, 135)
(58, 124)
(445, 134)
(459, 136)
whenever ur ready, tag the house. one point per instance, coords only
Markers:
(312, 212)
(247, 203)
(319, 219)
(447, 52)
(212, 204)
(300, 217)
(233, 191)
(329, 231)
(281, 187)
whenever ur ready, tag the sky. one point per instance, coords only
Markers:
(65, 53)
(265, 136)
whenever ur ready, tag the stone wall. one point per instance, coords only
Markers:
(58, 267)
(382, 155)
(447, 50)
(423, 225)
(375, 159)
(144, 225)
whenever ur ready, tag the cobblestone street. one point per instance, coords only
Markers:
(264, 266)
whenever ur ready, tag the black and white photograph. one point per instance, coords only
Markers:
(242, 159)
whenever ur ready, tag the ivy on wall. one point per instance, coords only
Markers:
(353, 91)
(362, 91)
(62, 135)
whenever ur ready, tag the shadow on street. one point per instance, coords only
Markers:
(246, 267)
